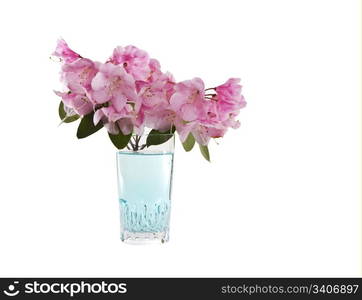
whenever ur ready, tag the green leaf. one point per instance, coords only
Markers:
(189, 143)
(205, 152)
(61, 111)
(63, 115)
(156, 137)
(71, 119)
(120, 140)
(86, 126)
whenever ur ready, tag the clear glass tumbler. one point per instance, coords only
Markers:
(144, 188)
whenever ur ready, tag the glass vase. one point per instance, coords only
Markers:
(144, 188)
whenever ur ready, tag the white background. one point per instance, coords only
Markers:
(282, 194)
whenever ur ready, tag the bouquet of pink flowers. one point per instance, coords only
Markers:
(129, 93)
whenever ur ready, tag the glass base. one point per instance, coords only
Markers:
(140, 238)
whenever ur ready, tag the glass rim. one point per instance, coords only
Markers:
(153, 134)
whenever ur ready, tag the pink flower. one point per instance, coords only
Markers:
(229, 98)
(135, 61)
(65, 53)
(115, 121)
(155, 71)
(125, 125)
(155, 97)
(156, 92)
(188, 99)
(206, 116)
(79, 74)
(192, 108)
(161, 118)
(117, 89)
(112, 114)
(231, 122)
(199, 131)
(113, 84)
(80, 103)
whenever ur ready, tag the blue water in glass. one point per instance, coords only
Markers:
(144, 182)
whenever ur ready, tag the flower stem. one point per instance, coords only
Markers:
(137, 138)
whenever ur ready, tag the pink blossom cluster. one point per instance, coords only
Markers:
(129, 93)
